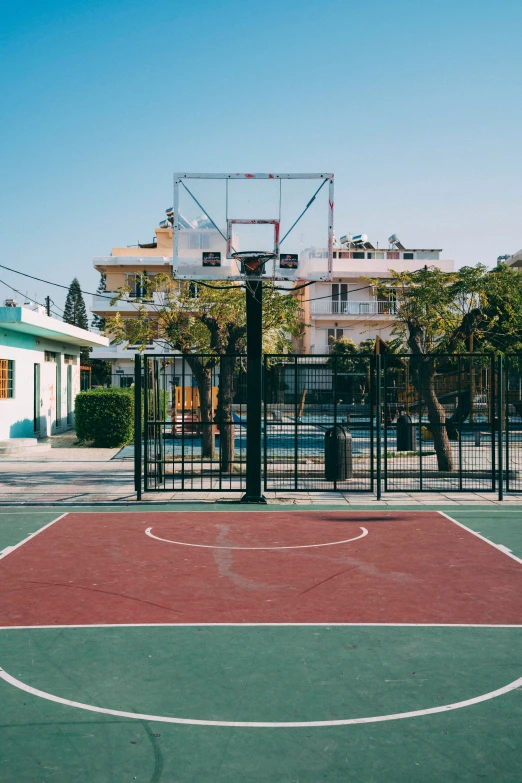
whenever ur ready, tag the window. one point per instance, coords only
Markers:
(137, 282)
(68, 358)
(393, 255)
(358, 254)
(50, 356)
(334, 334)
(408, 256)
(339, 296)
(6, 379)
(369, 255)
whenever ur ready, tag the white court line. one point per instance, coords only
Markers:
(255, 625)
(302, 546)
(260, 724)
(498, 547)
(9, 549)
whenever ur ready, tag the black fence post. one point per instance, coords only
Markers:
(500, 429)
(492, 416)
(137, 425)
(378, 424)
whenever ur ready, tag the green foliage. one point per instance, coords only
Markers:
(105, 416)
(473, 309)
(98, 322)
(210, 319)
(75, 313)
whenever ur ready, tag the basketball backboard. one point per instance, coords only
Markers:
(218, 215)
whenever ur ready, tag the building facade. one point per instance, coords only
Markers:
(126, 267)
(39, 372)
(350, 306)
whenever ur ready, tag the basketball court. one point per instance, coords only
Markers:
(288, 645)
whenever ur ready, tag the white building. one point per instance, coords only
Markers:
(39, 374)
(349, 306)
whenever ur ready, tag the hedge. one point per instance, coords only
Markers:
(105, 416)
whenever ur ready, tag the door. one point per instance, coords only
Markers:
(69, 396)
(37, 401)
(58, 393)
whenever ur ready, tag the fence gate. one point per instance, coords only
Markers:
(445, 409)
(307, 399)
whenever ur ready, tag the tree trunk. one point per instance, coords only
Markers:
(436, 416)
(425, 367)
(203, 376)
(225, 418)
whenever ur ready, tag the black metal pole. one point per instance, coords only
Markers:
(378, 424)
(137, 425)
(254, 324)
(500, 404)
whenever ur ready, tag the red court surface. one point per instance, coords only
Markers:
(410, 567)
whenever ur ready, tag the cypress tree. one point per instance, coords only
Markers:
(98, 322)
(75, 312)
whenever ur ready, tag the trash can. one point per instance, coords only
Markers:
(406, 435)
(337, 454)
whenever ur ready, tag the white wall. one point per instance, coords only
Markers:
(16, 413)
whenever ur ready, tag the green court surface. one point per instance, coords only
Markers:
(236, 702)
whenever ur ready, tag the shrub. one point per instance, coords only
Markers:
(105, 416)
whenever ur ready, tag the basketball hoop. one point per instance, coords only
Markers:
(252, 262)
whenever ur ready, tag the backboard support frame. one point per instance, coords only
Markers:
(179, 178)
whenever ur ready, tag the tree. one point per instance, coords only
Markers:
(98, 322)
(75, 313)
(441, 313)
(207, 319)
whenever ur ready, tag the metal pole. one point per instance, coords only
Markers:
(146, 431)
(254, 324)
(378, 424)
(500, 428)
(137, 425)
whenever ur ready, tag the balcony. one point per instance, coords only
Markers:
(369, 307)
(101, 303)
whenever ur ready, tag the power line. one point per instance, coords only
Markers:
(20, 293)
(48, 282)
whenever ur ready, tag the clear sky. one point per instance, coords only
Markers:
(416, 107)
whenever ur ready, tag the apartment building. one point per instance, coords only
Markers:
(349, 306)
(514, 260)
(126, 266)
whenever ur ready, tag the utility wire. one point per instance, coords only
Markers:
(48, 282)
(21, 294)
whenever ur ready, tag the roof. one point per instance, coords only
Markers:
(20, 319)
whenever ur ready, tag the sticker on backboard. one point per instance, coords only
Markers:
(212, 259)
(288, 261)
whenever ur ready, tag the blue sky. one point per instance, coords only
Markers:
(416, 107)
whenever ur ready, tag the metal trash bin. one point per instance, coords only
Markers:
(338, 465)
(406, 434)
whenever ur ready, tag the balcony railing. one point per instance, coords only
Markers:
(329, 307)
